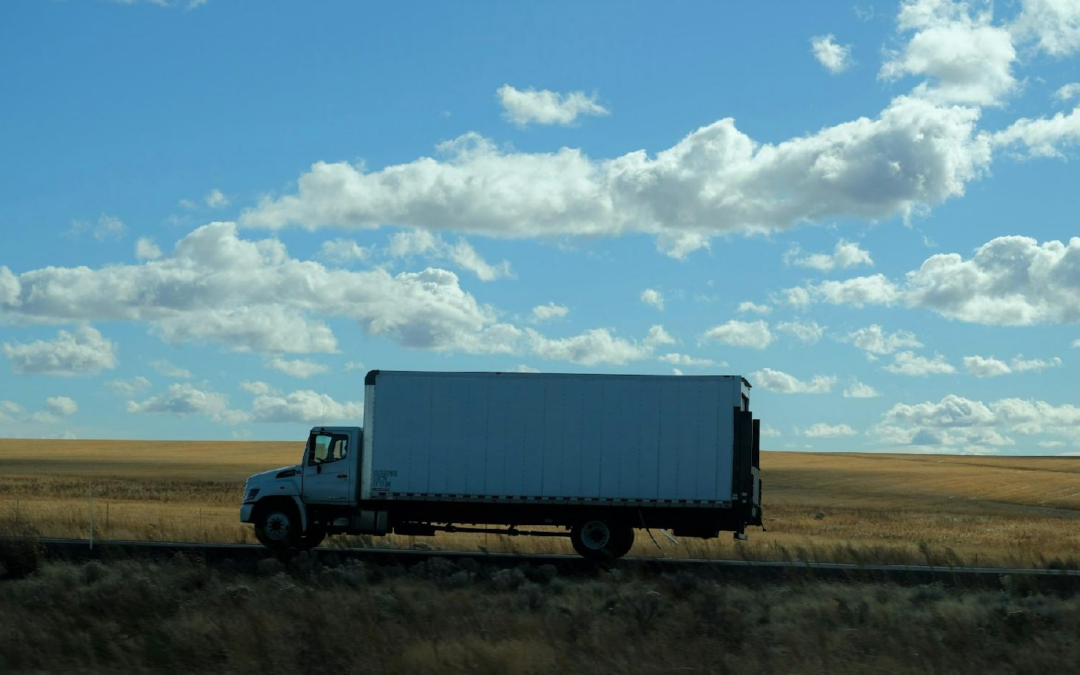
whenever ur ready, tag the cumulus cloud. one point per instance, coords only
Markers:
(876, 340)
(859, 390)
(782, 383)
(548, 312)
(716, 180)
(146, 249)
(1022, 365)
(1054, 25)
(257, 387)
(835, 57)
(185, 399)
(299, 368)
(1067, 92)
(753, 334)
(908, 363)
(653, 298)
(597, 346)
(847, 254)
(822, 430)
(677, 359)
(1011, 281)
(980, 366)
(61, 405)
(432, 246)
(544, 106)
(215, 199)
(957, 421)
(1042, 137)
(305, 406)
(522, 368)
(809, 332)
(343, 251)
(750, 307)
(83, 352)
(130, 387)
(163, 367)
(963, 56)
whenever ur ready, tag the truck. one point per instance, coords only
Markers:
(585, 456)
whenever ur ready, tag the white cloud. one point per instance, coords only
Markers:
(1042, 137)
(215, 199)
(107, 228)
(964, 57)
(354, 365)
(128, 388)
(545, 106)
(146, 249)
(1053, 24)
(846, 254)
(343, 251)
(307, 407)
(61, 405)
(799, 298)
(653, 298)
(835, 57)
(421, 242)
(907, 363)
(876, 340)
(782, 383)
(269, 328)
(753, 334)
(1068, 92)
(597, 346)
(748, 306)
(809, 332)
(84, 352)
(257, 387)
(299, 368)
(677, 359)
(957, 421)
(1076, 344)
(716, 180)
(185, 399)
(857, 291)
(859, 390)
(1051, 444)
(163, 367)
(1012, 281)
(822, 430)
(548, 312)
(522, 368)
(1022, 365)
(979, 366)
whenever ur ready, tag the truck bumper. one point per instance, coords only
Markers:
(245, 512)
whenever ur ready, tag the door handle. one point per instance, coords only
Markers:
(343, 475)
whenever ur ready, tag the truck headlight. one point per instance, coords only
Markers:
(251, 494)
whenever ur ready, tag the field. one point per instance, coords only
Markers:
(840, 507)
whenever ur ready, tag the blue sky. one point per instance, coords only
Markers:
(217, 216)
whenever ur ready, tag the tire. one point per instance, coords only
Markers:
(278, 526)
(311, 539)
(601, 540)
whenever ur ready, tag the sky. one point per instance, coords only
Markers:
(216, 216)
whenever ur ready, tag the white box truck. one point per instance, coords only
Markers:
(592, 457)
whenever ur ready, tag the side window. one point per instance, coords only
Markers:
(327, 448)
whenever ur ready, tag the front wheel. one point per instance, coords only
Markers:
(278, 527)
(601, 540)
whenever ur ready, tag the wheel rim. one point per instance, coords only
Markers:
(277, 526)
(595, 535)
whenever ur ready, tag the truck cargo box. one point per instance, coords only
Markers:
(563, 438)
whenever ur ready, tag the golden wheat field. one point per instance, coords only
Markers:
(818, 506)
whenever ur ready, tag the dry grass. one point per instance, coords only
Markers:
(445, 618)
(874, 508)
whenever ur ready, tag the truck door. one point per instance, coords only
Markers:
(327, 468)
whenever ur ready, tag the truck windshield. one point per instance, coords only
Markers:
(328, 448)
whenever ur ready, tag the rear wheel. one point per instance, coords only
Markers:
(278, 526)
(601, 539)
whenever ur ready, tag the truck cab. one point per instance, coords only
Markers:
(297, 506)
